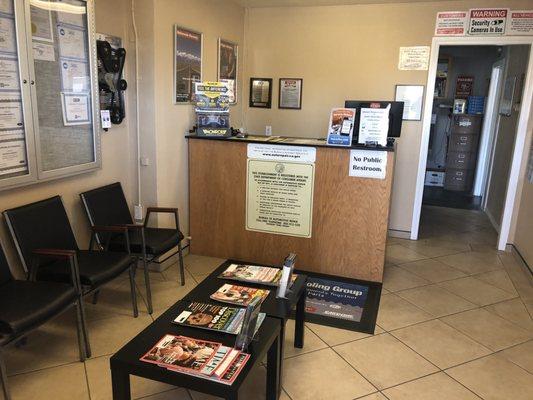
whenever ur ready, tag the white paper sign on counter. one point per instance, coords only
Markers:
(368, 164)
(274, 152)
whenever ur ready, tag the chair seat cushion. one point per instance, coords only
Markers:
(24, 304)
(96, 267)
(158, 241)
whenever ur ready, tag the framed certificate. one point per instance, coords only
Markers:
(290, 93)
(261, 92)
(413, 98)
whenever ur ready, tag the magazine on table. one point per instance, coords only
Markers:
(214, 317)
(182, 353)
(239, 295)
(253, 274)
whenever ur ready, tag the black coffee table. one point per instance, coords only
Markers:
(267, 342)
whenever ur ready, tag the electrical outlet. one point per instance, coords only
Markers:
(138, 212)
(268, 130)
(145, 161)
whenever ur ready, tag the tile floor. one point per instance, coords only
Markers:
(454, 323)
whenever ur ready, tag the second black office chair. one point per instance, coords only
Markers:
(107, 206)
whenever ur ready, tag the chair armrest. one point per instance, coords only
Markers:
(109, 228)
(57, 254)
(163, 210)
(122, 229)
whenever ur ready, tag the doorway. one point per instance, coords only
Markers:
(469, 144)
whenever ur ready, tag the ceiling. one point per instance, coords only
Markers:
(299, 3)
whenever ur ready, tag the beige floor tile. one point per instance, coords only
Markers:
(175, 394)
(435, 300)
(494, 378)
(99, 378)
(476, 291)
(473, 262)
(433, 270)
(59, 383)
(394, 312)
(398, 254)
(311, 341)
(500, 279)
(335, 336)
(201, 265)
(396, 278)
(513, 310)
(374, 396)
(323, 375)
(384, 360)
(108, 335)
(433, 387)
(521, 355)
(165, 294)
(439, 343)
(436, 247)
(488, 329)
(114, 298)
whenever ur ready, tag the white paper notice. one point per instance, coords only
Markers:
(11, 116)
(451, 23)
(8, 42)
(412, 97)
(75, 109)
(414, 58)
(487, 21)
(71, 42)
(9, 74)
(43, 51)
(520, 22)
(374, 125)
(12, 157)
(279, 197)
(275, 152)
(6, 6)
(368, 164)
(76, 19)
(75, 76)
(41, 24)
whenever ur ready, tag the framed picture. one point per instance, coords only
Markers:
(228, 59)
(261, 92)
(413, 98)
(187, 63)
(290, 93)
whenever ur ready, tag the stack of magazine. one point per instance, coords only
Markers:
(254, 274)
(239, 295)
(201, 358)
(213, 317)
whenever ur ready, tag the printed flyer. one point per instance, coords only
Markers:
(340, 128)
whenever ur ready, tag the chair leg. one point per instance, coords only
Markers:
(147, 283)
(133, 291)
(95, 297)
(80, 333)
(3, 376)
(83, 322)
(182, 267)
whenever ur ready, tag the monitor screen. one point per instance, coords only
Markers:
(395, 115)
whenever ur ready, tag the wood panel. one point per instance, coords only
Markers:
(350, 215)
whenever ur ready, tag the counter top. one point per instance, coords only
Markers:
(290, 141)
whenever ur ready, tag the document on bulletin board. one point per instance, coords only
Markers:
(71, 42)
(13, 157)
(279, 197)
(74, 76)
(43, 51)
(9, 74)
(11, 116)
(8, 43)
(6, 7)
(41, 24)
(75, 109)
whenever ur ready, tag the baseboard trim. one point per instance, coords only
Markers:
(492, 220)
(399, 234)
(518, 255)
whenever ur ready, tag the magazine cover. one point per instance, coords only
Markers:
(252, 273)
(239, 295)
(210, 316)
(340, 128)
(236, 366)
(182, 353)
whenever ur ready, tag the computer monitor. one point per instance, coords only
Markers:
(395, 115)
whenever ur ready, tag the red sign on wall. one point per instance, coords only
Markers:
(464, 87)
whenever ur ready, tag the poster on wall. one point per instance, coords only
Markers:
(414, 58)
(412, 97)
(290, 93)
(520, 22)
(228, 54)
(464, 86)
(187, 63)
(451, 23)
(487, 21)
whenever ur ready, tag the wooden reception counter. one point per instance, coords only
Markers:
(349, 214)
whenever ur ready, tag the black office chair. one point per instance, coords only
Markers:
(107, 206)
(45, 225)
(26, 305)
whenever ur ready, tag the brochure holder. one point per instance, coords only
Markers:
(212, 109)
(249, 323)
(286, 276)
